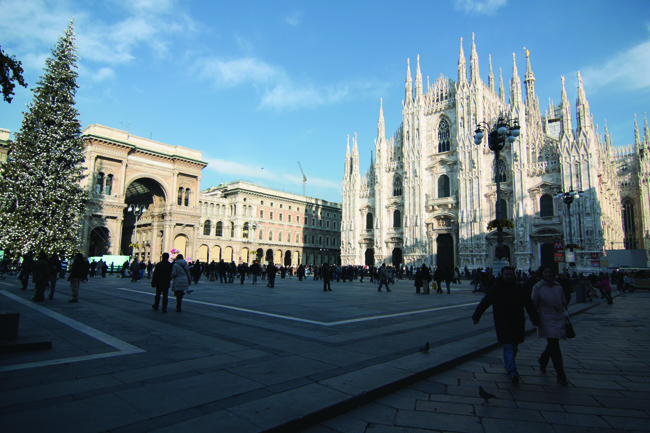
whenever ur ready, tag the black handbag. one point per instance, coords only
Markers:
(570, 332)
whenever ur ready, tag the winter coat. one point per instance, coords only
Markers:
(180, 276)
(161, 275)
(550, 303)
(508, 302)
(418, 279)
(41, 271)
(604, 284)
(79, 270)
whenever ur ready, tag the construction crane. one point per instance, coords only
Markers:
(304, 179)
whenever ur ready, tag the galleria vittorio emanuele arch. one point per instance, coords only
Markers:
(430, 191)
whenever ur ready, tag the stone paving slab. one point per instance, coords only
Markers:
(596, 400)
(250, 358)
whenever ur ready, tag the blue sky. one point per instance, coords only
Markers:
(259, 85)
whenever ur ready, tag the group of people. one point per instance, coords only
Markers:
(547, 308)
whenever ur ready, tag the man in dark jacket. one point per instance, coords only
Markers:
(271, 270)
(25, 270)
(55, 267)
(509, 299)
(41, 276)
(160, 281)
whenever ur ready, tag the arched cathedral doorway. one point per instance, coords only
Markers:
(445, 256)
(397, 257)
(370, 257)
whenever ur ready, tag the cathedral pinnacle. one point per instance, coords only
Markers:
(502, 90)
(582, 106)
(381, 128)
(646, 135)
(418, 81)
(462, 66)
(515, 85)
(637, 137)
(474, 63)
(567, 128)
(530, 82)
(347, 151)
(409, 82)
(491, 76)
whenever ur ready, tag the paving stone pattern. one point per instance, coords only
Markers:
(252, 359)
(607, 364)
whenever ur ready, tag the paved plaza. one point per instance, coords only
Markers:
(251, 358)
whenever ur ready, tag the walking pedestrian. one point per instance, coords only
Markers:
(255, 271)
(160, 281)
(78, 273)
(181, 279)
(606, 288)
(509, 300)
(55, 267)
(326, 274)
(550, 303)
(25, 270)
(271, 270)
(41, 276)
(383, 277)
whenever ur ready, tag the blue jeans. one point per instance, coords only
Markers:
(509, 355)
(381, 283)
(254, 278)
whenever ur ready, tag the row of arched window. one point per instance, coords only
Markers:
(184, 196)
(397, 220)
(104, 184)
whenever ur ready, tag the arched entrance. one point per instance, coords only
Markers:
(180, 245)
(244, 255)
(259, 254)
(269, 256)
(99, 242)
(227, 254)
(203, 253)
(370, 257)
(397, 257)
(216, 253)
(287, 258)
(147, 193)
(547, 256)
(445, 256)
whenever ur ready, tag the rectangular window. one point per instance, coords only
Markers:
(298, 219)
(270, 215)
(280, 214)
(313, 222)
(328, 224)
(312, 239)
(261, 214)
(334, 226)
(280, 206)
(320, 240)
(289, 218)
(320, 223)
(327, 242)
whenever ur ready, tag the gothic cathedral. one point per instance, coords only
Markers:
(430, 191)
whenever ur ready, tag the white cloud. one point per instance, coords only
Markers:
(103, 74)
(626, 70)
(247, 171)
(288, 96)
(240, 170)
(294, 18)
(231, 73)
(479, 7)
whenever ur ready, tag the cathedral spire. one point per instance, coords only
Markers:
(491, 76)
(646, 135)
(474, 63)
(583, 118)
(567, 127)
(515, 84)
(637, 136)
(502, 90)
(608, 138)
(462, 66)
(347, 151)
(418, 81)
(381, 128)
(530, 82)
(409, 83)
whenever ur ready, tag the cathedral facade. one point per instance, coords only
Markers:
(430, 191)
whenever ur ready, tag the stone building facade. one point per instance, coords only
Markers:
(430, 191)
(240, 221)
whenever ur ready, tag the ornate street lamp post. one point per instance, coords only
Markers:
(568, 198)
(137, 210)
(502, 132)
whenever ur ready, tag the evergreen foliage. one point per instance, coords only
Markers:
(41, 200)
(10, 70)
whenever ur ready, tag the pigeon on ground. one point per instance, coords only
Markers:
(425, 348)
(485, 395)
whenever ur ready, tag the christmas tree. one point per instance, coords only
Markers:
(41, 201)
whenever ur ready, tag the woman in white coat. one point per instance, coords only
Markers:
(180, 278)
(550, 303)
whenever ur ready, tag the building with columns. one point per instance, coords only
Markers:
(239, 221)
(430, 191)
